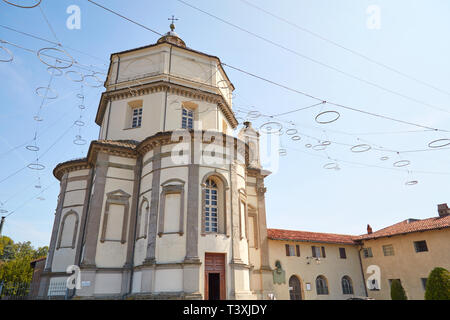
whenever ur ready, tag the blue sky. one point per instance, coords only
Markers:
(301, 195)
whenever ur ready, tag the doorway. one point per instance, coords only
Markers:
(215, 276)
(295, 288)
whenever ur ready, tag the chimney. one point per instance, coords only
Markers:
(443, 210)
(369, 229)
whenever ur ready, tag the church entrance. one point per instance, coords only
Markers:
(295, 288)
(215, 276)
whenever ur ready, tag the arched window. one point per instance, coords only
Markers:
(211, 206)
(347, 287)
(143, 219)
(321, 285)
(68, 230)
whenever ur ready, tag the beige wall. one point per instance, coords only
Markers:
(406, 264)
(332, 267)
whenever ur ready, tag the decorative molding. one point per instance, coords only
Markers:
(75, 230)
(117, 197)
(170, 189)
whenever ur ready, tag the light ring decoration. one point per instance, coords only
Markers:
(79, 123)
(82, 107)
(268, 127)
(433, 144)
(325, 143)
(282, 152)
(291, 132)
(308, 145)
(79, 141)
(331, 166)
(11, 56)
(337, 115)
(69, 63)
(38, 186)
(3, 211)
(38, 2)
(32, 148)
(360, 148)
(40, 198)
(36, 166)
(53, 69)
(411, 183)
(384, 158)
(279, 133)
(54, 96)
(38, 119)
(97, 78)
(222, 87)
(72, 72)
(401, 163)
(99, 83)
(80, 96)
(296, 138)
(253, 115)
(319, 147)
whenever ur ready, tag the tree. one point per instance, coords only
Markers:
(397, 291)
(438, 285)
(15, 259)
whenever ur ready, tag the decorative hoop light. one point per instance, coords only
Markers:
(319, 147)
(308, 145)
(38, 2)
(80, 96)
(438, 143)
(40, 198)
(3, 211)
(411, 183)
(11, 56)
(32, 148)
(384, 158)
(222, 87)
(55, 93)
(253, 115)
(69, 64)
(325, 143)
(335, 113)
(37, 118)
(79, 123)
(331, 166)
(36, 166)
(79, 141)
(99, 83)
(282, 152)
(53, 69)
(291, 132)
(402, 163)
(72, 72)
(360, 148)
(296, 138)
(268, 127)
(82, 106)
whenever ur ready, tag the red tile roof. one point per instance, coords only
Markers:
(409, 226)
(278, 234)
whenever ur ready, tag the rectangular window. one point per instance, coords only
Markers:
(420, 246)
(318, 252)
(367, 252)
(388, 250)
(187, 118)
(290, 250)
(136, 119)
(424, 283)
(342, 253)
(297, 247)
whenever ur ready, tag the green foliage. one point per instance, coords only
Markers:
(397, 291)
(438, 285)
(15, 259)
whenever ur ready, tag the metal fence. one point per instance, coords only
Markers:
(28, 291)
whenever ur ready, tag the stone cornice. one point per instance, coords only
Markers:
(162, 86)
(134, 149)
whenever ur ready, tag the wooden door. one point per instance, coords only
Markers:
(215, 276)
(295, 288)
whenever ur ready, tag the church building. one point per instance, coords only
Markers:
(167, 203)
